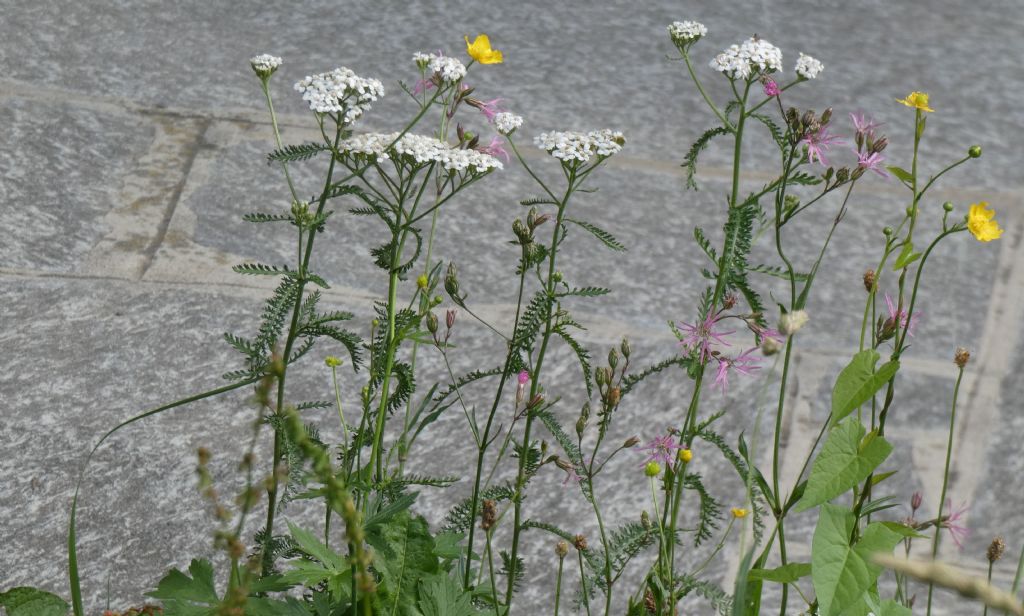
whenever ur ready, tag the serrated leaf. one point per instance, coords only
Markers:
(259, 269)
(902, 174)
(188, 596)
(585, 292)
(28, 601)
(292, 153)
(858, 382)
(841, 573)
(846, 459)
(690, 162)
(264, 217)
(786, 574)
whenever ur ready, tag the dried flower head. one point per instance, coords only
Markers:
(869, 280)
(961, 357)
(264, 64)
(808, 67)
(580, 543)
(488, 514)
(791, 322)
(561, 548)
(995, 549)
(340, 91)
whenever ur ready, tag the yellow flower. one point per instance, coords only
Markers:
(685, 455)
(917, 100)
(738, 512)
(981, 223)
(332, 361)
(480, 50)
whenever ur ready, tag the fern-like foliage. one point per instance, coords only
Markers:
(569, 446)
(718, 598)
(633, 379)
(606, 238)
(260, 269)
(739, 233)
(458, 518)
(690, 162)
(758, 512)
(293, 153)
(710, 508)
(582, 355)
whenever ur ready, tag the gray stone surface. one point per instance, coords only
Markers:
(135, 140)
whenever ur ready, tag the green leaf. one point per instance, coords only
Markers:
(291, 153)
(28, 601)
(606, 238)
(902, 174)
(188, 596)
(259, 269)
(907, 256)
(786, 574)
(903, 530)
(690, 162)
(403, 554)
(841, 573)
(440, 595)
(880, 477)
(858, 382)
(846, 459)
(312, 546)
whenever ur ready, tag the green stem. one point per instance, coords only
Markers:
(558, 583)
(945, 481)
(583, 583)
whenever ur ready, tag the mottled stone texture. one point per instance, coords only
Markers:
(134, 141)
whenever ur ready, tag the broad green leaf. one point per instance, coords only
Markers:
(841, 573)
(403, 554)
(312, 546)
(786, 574)
(440, 595)
(902, 174)
(906, 257)
(858, 382)
(28, 601)
(846, 459)
(188, 596)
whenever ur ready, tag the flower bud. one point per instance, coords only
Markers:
(645, 520)
(947, 206)
(770, 346)
(613, 359)
(631, 442)
(561, 548)
(557, 277)
(974, 151)
(432, 322)
(436, 301)
(809, 120)
(599, 375)
(879, 144)
(826, 116)
(565, 465)
(915, 501)
(332, 361)
(842, 175)
(624, 347)
(791, 322)
(614, 395)
(522, 233)
(887, 231)
(581, 425)
(422, 281)
(652, 469)
(585, 411)
(451, 282)
(995, 550)
(580, 543)
(488, 514)
(685, 455)
(449, 318)
(961, 357)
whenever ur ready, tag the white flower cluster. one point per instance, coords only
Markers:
(686, 31)
(340, 90)
(419, 149)
(265, 64)
(808, 67)
(450, 69)
(506, 122)
(571, 145)
(742, 61)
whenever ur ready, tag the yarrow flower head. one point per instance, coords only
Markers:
(743, 61)
(684, 33)
(445, 68)
(982, 224)
(570, 146)
(340, 91)
(662, 449)
(506, 123)
(480, 50)
(417, 149)
(917, 100)
(808, 67)
(264, 64)
(907, 322)
(700, 336)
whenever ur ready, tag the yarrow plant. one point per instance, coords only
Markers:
(375, 554)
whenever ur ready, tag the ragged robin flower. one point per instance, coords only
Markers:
(480, 50)
(917, 100)
(982, 224)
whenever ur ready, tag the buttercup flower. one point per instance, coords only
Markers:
(660, 449)
(917, 100)
(808, 67)
(982, 224)
(739, 512)
(480, 50)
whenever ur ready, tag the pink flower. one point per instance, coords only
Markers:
(700, 336)
(660, 450)
(907, 323)
(871, 162)
(422, 85)
(771, 88)
(488, 108)
(863, 124)
(954, 524)
(571, 475)
(820, 142)
(524, 377)
(743, 363)
(766, 332)
(494, 148)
